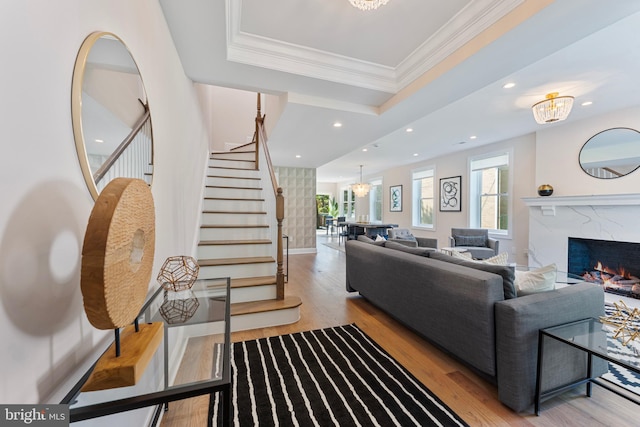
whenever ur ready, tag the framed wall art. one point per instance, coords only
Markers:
(395, 198)
(451, 194)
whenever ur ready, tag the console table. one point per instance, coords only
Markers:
(207, 305)
(590, 336)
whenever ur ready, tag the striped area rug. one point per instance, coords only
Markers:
(328, 377)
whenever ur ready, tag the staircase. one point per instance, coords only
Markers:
(237, 239)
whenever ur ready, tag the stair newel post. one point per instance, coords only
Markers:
(257, 135)
(279, 218)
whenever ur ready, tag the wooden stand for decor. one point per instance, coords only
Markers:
(138, 348)
(117, 258)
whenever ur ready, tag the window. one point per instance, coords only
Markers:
(375, 201)
(489, 193)
(348, 203)
(422, 195)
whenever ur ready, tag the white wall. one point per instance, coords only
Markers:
(232, 116)
(557, 153)
(457, 164)
(45, 203)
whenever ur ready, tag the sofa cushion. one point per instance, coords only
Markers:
(409, 236)
(412, 250)
(367, 239)
(479, 240)
(541, 279)
(505, 271)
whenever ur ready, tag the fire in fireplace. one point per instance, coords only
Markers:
(613, 265)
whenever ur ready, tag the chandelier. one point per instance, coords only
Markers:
(360, 189)
(368, 4)
(553, 109)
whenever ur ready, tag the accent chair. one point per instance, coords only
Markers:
(476, 241)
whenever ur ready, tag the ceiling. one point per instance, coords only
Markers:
(434, 66)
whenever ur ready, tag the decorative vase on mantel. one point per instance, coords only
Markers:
(545, 190)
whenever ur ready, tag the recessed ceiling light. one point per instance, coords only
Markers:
(508, 85)
(586, 103)
(337, 125)
(415, 154)
(472, 137)
(99, 141)
(364, 149)
(409, 130)
(298, 156)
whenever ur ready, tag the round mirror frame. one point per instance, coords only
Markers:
(599, 134)
(76, 104)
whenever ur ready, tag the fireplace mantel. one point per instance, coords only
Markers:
(548, 204)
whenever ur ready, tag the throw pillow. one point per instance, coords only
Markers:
(478, 241)
(505, 271)
(458, 254)
(541, 279)
(379, 238)
(500, 259)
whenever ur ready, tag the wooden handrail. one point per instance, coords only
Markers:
(260, 138)
(101, 172)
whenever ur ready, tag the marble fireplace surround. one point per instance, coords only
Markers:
(553, 219)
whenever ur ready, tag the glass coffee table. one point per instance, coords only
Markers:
(201, 311)
(590, 336)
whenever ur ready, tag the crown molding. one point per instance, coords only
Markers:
(277, 55)
(475, 18)
(274, 54)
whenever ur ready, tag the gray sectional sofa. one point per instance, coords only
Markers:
(472, 312)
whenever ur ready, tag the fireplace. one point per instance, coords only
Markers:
(614, 265)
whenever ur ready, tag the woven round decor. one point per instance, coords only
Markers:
(117, 254)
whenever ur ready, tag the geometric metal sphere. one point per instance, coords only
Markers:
(178, 273)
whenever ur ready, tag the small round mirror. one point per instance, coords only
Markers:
(612, 153)
(110, 113)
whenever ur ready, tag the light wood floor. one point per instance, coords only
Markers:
(319, 279)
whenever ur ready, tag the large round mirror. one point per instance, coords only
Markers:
(110, 113)
(611, 153)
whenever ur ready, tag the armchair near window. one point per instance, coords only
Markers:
(476, 241)
(404, 236)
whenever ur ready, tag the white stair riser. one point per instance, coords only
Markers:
(238, 271)
(232, 193)
(234, 233)
(252, 173)
(231, 164)
(265, 319)
(232, 205)
(233, 251)
(253, 293)
(233, 218)
(235, 155)
(233, 182)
